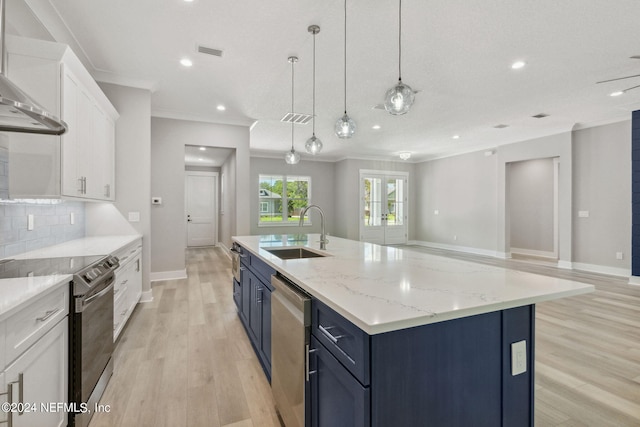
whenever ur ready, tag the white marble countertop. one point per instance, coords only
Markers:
(15, 293)
(382, 288)
(87, 246)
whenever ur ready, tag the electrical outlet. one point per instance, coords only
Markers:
(30, 222)
(619, 255)
(583, 214)
(518, 358)
(72, 218)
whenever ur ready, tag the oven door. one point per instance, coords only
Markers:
(94, 328)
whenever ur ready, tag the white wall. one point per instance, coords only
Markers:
(322, 193)
(463, 189)
(347, 193)
(227, 219)
(168, 226)
(602, 186)
(133, 171)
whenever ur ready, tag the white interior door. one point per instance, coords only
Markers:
(201, 208)
(383, 207)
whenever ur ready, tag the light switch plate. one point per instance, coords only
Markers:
(518, 358)
(583, 214)
(134, 216)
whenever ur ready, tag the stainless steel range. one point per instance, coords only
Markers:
(91, 337)
(90, 323)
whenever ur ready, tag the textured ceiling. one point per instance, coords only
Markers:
(458, 53)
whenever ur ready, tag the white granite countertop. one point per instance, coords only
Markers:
(14, 293)
(87, 246)
(382, 288)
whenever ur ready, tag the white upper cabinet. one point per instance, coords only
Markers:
(81, 162)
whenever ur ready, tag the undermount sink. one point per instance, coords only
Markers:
(294, 253)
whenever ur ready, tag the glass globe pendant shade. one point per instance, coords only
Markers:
(292, 157)
(399, 99)
(313, 145)
(345, 127)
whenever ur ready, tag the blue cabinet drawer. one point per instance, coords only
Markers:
(348, 343)
(261, 269)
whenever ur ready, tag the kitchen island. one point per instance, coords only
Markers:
(405, 338)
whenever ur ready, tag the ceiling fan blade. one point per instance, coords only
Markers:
(631, 88)
(619, 78)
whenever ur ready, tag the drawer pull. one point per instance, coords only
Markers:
(47, 315)
(325, 331)
(307, 352)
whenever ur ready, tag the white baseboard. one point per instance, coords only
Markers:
(147, 296)
(566, 265)
(168, 275)
(634, 280)
(225, 249)
(533, 252)
(602, 269)
(466, 249)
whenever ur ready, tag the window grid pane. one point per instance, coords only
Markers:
(280, 194)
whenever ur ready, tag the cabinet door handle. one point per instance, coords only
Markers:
(259, 295)
(9, 394)
(47, 315)
(325, 331)
(306, 353)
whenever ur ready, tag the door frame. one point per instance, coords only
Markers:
(363, 173)
(216, 198)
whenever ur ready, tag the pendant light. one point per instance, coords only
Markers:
(399, 98)
(345, 126)
(313, 144)
(292, 157)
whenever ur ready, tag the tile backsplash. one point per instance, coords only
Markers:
(52, 225)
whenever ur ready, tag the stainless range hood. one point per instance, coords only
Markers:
(18, 112)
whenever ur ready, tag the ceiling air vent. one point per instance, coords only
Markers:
(540, 116)
(298, 118)
(501, 126)
(209, 51)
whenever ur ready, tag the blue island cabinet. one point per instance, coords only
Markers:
(454, 373)
(252, 296)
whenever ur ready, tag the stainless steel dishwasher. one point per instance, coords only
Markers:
(290, 332)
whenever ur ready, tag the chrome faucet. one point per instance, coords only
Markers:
(323, 236)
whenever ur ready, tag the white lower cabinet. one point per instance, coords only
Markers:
(39, 381)
(128, 286)
(35, 349)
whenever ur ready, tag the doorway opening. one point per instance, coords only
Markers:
(204, 193)
(532, 210)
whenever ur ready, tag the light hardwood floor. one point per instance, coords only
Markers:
(185, 359)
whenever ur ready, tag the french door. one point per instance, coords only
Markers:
(383, 207)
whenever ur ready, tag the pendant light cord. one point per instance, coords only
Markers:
(345, 56)
(400, 42)
(292, 110)
(314, 84)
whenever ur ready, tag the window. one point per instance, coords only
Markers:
(282, 198)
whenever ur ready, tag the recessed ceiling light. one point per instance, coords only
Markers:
(186, 62)
(617, 93)
(221, 107)
(203, 149)
(375, 127)
(456, 137)
(518, 64)
(405, 155)
(200, 159)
